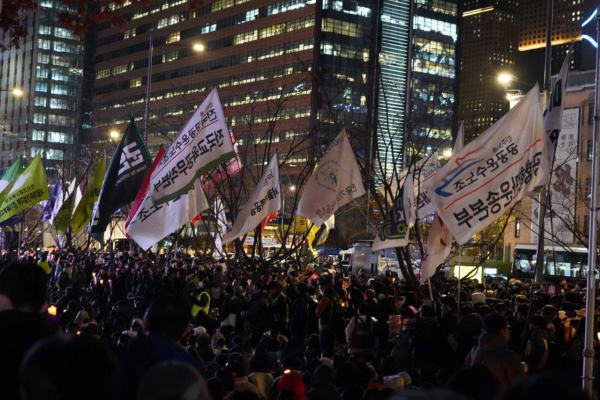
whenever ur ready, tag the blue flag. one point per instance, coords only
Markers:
(17, 219)
(49, 207)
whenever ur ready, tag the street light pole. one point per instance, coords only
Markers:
(539, 264)
(588, 351)
(148, 86)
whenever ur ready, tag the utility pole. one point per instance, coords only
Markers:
(539, 264)
(588, 351)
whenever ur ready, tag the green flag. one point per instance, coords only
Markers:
(122, 181)
(83, 212)
(28, 189)
(10, 174)
(62, 219)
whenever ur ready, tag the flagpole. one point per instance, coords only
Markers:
(539, 264)
(148, 86)
(588, 351)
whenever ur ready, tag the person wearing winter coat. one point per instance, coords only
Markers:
(359, 335)
(299, 314)
(492, 352)
(258, 313)
(323, 384)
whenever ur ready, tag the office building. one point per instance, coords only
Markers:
(489, 43)
(568, 18)
(509, 37)
(51, 117)
(286, 71)
(433, 76)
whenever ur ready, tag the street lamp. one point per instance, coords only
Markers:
(114, 134)
(16, 91)
(198, 47)
(292, 188)
(505, 78)
(447, 153)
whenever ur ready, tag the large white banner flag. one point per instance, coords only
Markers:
(265, 199)
(422, 174)
(334, 183)
(153, 222)
(203, 143)
(553, 114)
(493, 172)
(439, 241)
(395, 231)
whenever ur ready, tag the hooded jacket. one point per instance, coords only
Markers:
(493, 352)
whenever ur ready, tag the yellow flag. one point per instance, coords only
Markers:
(300, 224)
(83, 213)
(311, 236)
(28, 189)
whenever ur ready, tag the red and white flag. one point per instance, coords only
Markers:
(439, 242)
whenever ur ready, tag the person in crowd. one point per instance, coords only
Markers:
(62, 367)
(125, 325)
(164, 324)
(278, 307)
(173, 380)
(23, 320)
(492, 352)
(258, 314)
(324, 312)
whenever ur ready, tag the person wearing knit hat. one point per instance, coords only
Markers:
(173, 380)
(261, 365)
(478, 297)
(238, 366)
(292, 381)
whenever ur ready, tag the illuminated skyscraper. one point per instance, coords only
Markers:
(52, 114)
(489, 43)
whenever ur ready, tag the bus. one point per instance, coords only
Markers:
(568, 261)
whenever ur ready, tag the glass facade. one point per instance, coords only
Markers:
(393, 68)
(433, 75)
(344, 63)
(55, 73)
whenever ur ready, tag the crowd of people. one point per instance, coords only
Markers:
(115, 325)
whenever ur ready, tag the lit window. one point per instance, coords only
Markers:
(135, 82)
(173, 37)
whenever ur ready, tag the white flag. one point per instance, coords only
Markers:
(202, 144)
(334, 183)
(219, 211)
(63, 195)
(553, 114)
(493, 172)
(395, 231)
(78, 196)
(330, 223)
(154, 222)
(422, 174)
(439, 242)
(265, 199)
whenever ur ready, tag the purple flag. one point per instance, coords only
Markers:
(17, 219)
(49, 207)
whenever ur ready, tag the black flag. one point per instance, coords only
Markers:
(124, 176)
